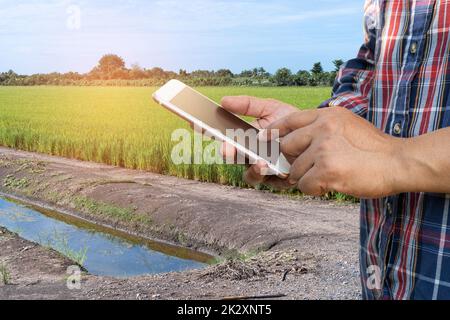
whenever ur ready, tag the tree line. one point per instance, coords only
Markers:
(111, 70)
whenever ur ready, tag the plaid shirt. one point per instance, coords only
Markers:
(400, 81)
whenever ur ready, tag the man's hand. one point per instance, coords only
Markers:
(335, 150)
(266, 112)
(332, 149)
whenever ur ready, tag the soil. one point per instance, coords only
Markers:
(269, 244)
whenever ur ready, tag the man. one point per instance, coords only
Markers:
(383, 137)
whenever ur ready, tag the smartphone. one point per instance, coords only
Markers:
(204, 113)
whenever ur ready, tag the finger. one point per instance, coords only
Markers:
(249, 106)
(278, 183)
(301, 166)
(312, 184)
(296, 143)
(253, 176)
(256, 124)
(289, 124)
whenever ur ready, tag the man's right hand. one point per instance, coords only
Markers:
(266, 112)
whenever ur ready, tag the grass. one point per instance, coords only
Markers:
(103, 209)
(59, 242)
(118, 126)
(12, 182)
(5, 275)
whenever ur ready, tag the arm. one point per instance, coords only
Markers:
(336, 150)
(354, 81)
(424, 163)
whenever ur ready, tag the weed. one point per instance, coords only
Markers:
(59, 242)
(5, 275)
(100, 208)
(15, 183)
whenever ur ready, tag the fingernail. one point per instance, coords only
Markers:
(292, 182)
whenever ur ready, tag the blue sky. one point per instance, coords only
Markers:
(63, 35)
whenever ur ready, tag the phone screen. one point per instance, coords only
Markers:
(216, 117)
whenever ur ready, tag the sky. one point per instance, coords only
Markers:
(41, 36)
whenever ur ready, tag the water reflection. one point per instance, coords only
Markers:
(100, 251)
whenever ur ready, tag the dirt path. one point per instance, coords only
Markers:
(210, 217)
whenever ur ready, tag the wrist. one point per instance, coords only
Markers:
(408, 169)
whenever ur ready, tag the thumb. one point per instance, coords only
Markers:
(249, 106)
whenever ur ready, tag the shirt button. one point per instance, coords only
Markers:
(413, 49)
(389, 208)
(398, 129)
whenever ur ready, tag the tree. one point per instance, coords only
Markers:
(246, 74)
(338, 63)
(224, 73)
(137, 72)
(109, 64)
(202, 74)
(283, 77)
(302, 78)
(11, 78)
(121, 74)
(155, 73)
(317, 69)
(262, 73)
(183, 73)
(74, 76)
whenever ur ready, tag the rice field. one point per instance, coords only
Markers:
(118, 126)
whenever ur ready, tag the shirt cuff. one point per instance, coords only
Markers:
(355, 104)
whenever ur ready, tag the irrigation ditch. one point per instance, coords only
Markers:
(147, 236)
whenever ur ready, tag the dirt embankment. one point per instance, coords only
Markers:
(312, 245)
